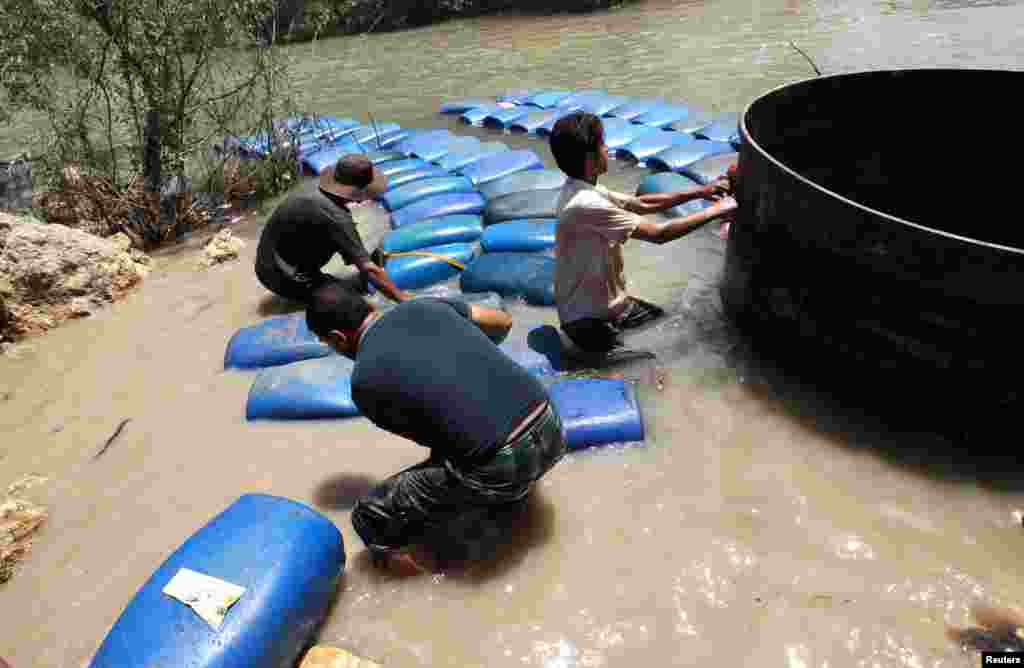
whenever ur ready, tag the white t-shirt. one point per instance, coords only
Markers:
(592, 226)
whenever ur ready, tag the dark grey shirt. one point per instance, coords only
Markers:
(427, 372)
(305, 231)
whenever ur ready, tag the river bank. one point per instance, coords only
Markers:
(300, 21)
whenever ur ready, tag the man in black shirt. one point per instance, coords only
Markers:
(308, 228)
(429, 370)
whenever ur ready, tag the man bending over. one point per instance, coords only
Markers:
(429, 370)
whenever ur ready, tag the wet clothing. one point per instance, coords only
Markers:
(601, 336)
(427, 372)
(590, 284)
(423, 500)
(302, 235)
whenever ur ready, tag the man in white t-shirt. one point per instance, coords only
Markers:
(593, 224)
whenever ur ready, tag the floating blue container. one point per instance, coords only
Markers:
(520, 236)
(306, 390)
(278, 340)
(652, 143)
(456, 160)
(535, 179)
(663, 115)
(597, 411)
(545, 128)
(525, 204)
(391, 139)
(435, 152)
(433, 232)
(635, 107)
(503, 118)
(724, 128)
(477, 116)
(380, 157)
(518, 96)
(599, 106)
(288, 558)
(408, 176)
(678, 157)
(404, 195)
(694, 123)
(402, 165)
(496, 166)
(710, 168)
(534, 119)
(581, 96)
(525, 275)
(463, 105)
(619, 132)
(421, 140)
(412, 272)
(436, 206)
(665, 182)
(368, 133)
(548, 98)
(327, 156)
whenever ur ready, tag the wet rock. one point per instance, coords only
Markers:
(223, 247)
(50, 273)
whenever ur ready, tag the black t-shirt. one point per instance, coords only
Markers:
(427, 372)
(306, 231)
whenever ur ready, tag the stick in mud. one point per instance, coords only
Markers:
(117, 432)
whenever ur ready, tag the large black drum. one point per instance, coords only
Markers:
(878, 210)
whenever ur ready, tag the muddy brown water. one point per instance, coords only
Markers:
(765, 523)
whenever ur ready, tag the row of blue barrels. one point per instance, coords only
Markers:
(439, 196)
(664, 135)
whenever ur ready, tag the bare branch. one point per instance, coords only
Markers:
(806, 57)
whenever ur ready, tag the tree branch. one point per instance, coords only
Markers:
(806, 57)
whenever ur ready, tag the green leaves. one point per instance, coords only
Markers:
(94, 68)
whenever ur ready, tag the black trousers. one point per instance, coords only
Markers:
(301, 289)
(601, 336)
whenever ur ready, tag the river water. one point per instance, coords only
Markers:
(765, 522)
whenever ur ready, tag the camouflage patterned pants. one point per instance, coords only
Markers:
(426, 497)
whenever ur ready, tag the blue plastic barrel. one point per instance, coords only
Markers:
(419, 270)
(288, 558)
(597, 411)
(438, 205)
(501, 164)
(433, 232)
(519, 236)
(525, 275)
(399, 197)
(278, 340)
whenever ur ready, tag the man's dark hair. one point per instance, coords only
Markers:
(335, 306)
(573, 138)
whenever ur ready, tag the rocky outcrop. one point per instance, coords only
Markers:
(50, 273)
(223, 247)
